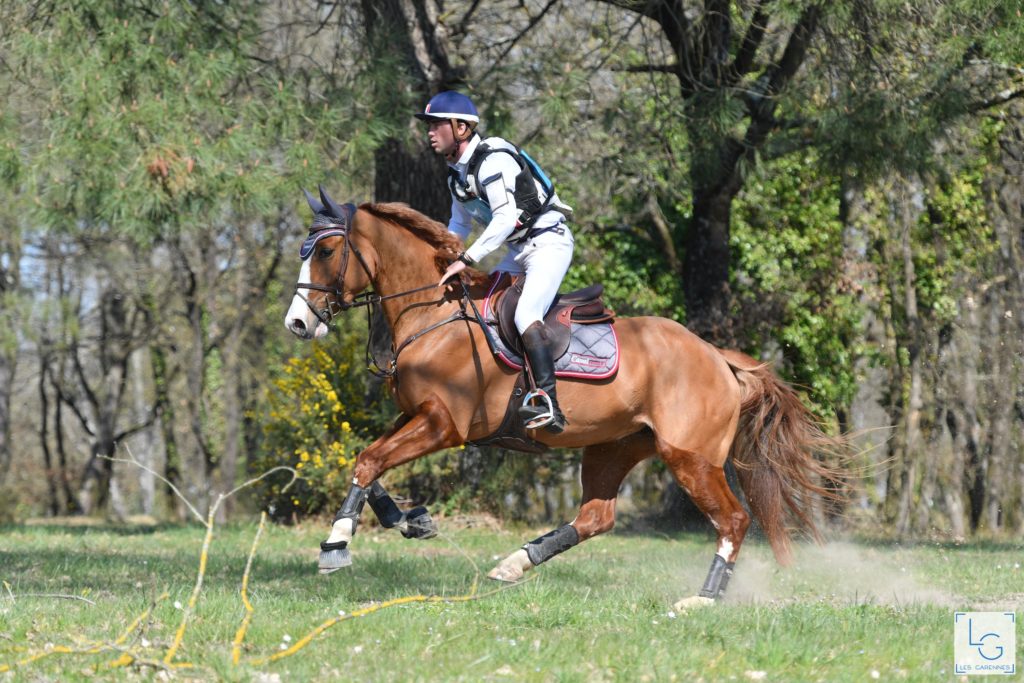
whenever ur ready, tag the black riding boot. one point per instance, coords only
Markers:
(535, 341)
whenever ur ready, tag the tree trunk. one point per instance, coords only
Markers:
(999, 474)
(10, 284)
(232, 392)
(912, 442)
(71, 504)
(706, 266)
(412, 172)
(172, 456)
(953, 402)
(53, 503)
(146, 454)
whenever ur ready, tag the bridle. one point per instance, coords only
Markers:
(339, 304)
(369, 299)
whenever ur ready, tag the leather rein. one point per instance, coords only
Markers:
(371, 300)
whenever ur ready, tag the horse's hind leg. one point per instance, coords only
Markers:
(415, 523)
(603, 468)
(710, 492)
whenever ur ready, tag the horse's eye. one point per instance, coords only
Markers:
(325, 252)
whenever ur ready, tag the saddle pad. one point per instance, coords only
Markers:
(593, 352)
(593, 349)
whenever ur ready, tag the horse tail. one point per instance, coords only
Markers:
(776, 453)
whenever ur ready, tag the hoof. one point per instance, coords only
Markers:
(506, 574)
(333, 560)
(418, 524)
(512, 567)
(693, 602)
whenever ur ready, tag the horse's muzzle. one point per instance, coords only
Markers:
(298, 327)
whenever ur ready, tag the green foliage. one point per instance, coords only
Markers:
(950, 240)
(156, 120)
(789, 274)
(10, 164)
(895, 79)
(317, 420)
(632, 270)
(952, 237)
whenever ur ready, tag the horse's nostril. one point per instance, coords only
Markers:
(298, 325)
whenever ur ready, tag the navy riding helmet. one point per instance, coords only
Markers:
(449, 105)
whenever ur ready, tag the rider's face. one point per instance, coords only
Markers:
(441, 138)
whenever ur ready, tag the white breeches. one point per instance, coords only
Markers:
(545, 259)
(508, 263)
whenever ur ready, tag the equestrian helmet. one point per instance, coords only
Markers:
(449, 105)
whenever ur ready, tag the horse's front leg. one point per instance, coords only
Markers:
(429, 430)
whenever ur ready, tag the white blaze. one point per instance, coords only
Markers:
(300, 319)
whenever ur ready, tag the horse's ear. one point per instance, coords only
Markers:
(332, 206)
(313, 203)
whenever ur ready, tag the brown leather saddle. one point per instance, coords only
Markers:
(583, 307)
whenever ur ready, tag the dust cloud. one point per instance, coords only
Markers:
(838, 572)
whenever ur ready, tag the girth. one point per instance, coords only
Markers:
(583, 306)
(511, 433)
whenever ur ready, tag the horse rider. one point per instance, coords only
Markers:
(497, 185)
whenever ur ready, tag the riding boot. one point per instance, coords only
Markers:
(535, 341)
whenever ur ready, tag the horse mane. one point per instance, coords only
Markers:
(447, 245)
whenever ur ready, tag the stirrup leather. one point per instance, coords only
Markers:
(537, 415)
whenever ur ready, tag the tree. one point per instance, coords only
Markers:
(760, 80)
(10, 305)
(154, 129)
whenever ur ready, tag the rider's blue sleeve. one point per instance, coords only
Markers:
(461, 222)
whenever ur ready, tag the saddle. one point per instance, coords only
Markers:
(583, 307)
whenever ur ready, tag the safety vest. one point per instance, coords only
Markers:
(534, 192)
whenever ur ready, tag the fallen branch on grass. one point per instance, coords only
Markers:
(58, 596)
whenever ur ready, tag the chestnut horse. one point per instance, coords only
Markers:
(675, 396)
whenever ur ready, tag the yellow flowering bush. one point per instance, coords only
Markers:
(317, 420)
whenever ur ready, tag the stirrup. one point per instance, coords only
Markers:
(537, 415)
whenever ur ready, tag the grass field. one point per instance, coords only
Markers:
(846, 612)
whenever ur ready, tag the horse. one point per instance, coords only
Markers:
(674, 396)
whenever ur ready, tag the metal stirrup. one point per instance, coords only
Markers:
(545, 418)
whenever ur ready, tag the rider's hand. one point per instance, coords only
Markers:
(454, 269)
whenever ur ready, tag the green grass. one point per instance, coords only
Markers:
(599, 612)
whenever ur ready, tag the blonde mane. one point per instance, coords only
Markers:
(447, 245)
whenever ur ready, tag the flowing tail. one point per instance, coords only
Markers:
(775, 453)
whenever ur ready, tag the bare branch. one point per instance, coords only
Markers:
(132, 461)
(533, 22)
(744, 61)
(648, 68)
(997, 101)
(657, 217)
(462, 27)
(60, 596)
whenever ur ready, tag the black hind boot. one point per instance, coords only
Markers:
(535, 341)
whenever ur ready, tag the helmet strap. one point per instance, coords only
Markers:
(455, 130)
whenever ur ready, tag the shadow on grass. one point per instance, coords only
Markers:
(94, 528)
(375, 574)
